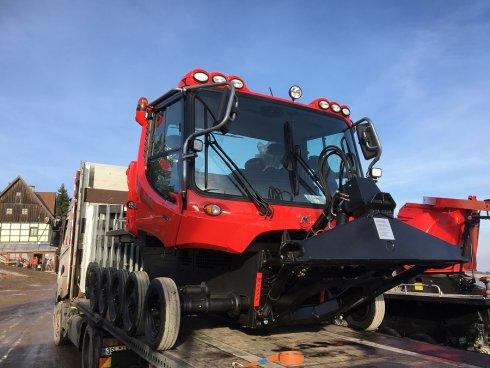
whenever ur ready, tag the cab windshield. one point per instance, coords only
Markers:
(266, 142)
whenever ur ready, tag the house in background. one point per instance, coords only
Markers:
(24, 227)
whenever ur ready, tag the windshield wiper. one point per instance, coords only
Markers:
(264, 208)
(291, 158)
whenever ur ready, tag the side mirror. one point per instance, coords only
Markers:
(370, 145)
(368, 139)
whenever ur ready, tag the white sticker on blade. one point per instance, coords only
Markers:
(384, 228)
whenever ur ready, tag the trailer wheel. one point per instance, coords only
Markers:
(116, 294)
(134, 302)
(95, 286)
(59, 333)
(368, 316)
(162, 307)
(88, 274)
(105, 285)
(91, 348)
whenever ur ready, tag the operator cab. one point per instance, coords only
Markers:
(272, 151)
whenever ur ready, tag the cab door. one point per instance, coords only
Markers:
(159, 190)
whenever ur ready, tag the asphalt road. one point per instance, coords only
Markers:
(26, 332)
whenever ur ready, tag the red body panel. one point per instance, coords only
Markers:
(445, 218)
(238, 224)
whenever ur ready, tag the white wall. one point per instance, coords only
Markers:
(20, 233)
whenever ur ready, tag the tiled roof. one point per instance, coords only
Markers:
(49, 200)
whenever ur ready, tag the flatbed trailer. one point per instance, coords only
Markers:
(211, 342)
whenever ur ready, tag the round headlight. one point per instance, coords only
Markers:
(218, 78)
(295, 92)
(335, 108)
(201, 77)
(237, 83)
(323, 104)
(212, 209)
(345, 111)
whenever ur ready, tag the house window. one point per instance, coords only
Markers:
(17, 194)
(33, 231)
(9, 211)
(25, 211)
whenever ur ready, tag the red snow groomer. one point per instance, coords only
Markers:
(256, 207)
(448, 305)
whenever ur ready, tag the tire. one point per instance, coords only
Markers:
(59, 332)
(116, 295)
(368, 316)
(95, 287)
(91, 348)
(90, 268)
(162, 314)
(105, 283)
(134, 302)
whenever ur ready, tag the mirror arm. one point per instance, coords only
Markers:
(365, 119)
(226, 117)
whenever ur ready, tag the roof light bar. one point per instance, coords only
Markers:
(345, 111)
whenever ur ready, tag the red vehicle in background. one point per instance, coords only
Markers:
(448, 305)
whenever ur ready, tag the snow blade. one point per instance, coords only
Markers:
(350, 265)
(377, 240)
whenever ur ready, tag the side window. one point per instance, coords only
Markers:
(165, 149)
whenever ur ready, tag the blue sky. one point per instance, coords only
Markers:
(71, 73)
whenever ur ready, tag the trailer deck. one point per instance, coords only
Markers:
(205, 342)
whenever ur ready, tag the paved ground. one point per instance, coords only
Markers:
(26, 306)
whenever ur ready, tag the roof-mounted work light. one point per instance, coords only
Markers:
(201, 77)
(295, 92)
(335, 107)
(218, 78)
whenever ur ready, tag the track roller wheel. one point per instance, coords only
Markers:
(92, 342)
(134, 301)
(116, 294)
(95, 286)
(59, 333)
(368, 316)
(105, 283)
(90, 268)
(162, 306)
